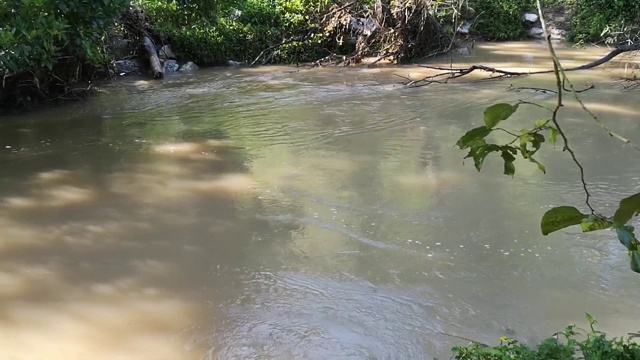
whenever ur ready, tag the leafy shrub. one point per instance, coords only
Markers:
(611, 21)
(257, 25)
(501, 19)
(50, 43)
(183, 12)
(37, 33)
(565, 345)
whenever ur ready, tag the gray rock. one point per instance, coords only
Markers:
(530, 17)
(124, 67)
(465, 28)
(364, 26)
(166, 53)
(190, 66)
(536, 32)
(170, 66)
(234, 63)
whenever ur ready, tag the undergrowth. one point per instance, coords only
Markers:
(572, 343)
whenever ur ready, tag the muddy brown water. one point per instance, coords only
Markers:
(283, 213)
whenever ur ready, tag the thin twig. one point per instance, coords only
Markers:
(537, 105)
(595, 117)
(535, 89)
(508, 132)
(557, 68)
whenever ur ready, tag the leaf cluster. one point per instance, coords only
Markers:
(526, 143)
(566, 345)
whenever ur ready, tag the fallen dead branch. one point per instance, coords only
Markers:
(451, 73)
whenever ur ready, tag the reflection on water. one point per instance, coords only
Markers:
(279, 213)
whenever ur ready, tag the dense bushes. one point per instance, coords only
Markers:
(47, 45)
(612, 21)
(501, 19)
(241, 32)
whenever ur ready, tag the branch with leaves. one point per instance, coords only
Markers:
(528, 142)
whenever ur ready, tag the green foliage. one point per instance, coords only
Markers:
(566, 345)
(529, 141)
(561, 217)
(629, 207)
(565, 216)
(183, 12)
(611, 21)
(501, 19)
(260, 24)
(498, 112)
(37, 34)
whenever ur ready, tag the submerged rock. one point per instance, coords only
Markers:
(190, 66)
(170, 66)
(234, 63)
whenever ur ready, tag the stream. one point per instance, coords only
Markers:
(293, 213)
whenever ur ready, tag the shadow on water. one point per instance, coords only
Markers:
(270, 213)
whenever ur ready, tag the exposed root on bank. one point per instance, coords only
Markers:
(451, 73)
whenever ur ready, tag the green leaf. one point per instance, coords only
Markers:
(635, 261)
(629, 207)
(498, 112)
(592, 321)
(472, 136)
(540, 122)
(509, 167)
(559, 218)
(480, 152)
(536, 141)
(553, 135)
(594, 223)
(540, 166)
(627, 237)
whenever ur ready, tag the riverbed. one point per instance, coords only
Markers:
(293, 213)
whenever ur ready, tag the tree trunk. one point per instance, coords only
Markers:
(156, 68)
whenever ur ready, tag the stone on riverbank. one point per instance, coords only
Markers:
(190, 66)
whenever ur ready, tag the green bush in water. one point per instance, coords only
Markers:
(501, 19)
(612, 21)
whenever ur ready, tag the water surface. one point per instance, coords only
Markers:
(289, 213)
